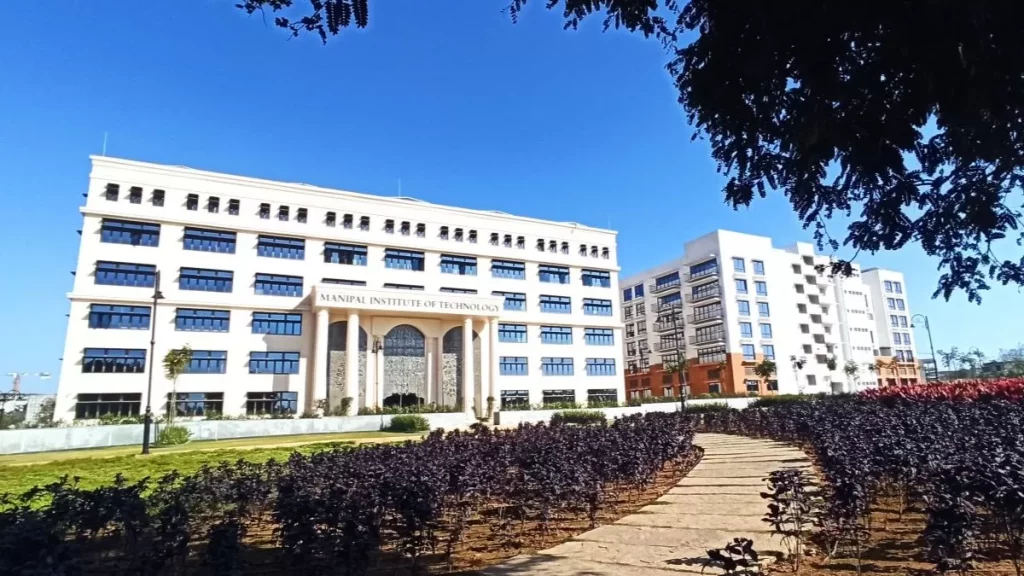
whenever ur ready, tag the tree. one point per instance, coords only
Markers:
(765, 369)
(950, 359)
(45, 415)
(905, 114)
(681, 367)
(176, 362)
(852, 370)
(798, 365)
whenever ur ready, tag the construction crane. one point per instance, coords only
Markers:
(17, 376)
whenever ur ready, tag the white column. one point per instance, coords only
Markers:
(439, 370)
(485, 368)
(431, 379)
(492, 363)
(468, 381)
(323, 321)
(352, 362)
(378, 375)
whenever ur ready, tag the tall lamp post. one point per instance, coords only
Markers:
(148, 423)
(928, 328)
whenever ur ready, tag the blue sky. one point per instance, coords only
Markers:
(462, 106)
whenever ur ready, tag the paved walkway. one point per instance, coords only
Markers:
(718, 501)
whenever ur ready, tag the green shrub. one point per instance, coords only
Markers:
(410, 409)
(582, 417)
(173, 435)
(659, 399)
(408, 423)
(780, 399)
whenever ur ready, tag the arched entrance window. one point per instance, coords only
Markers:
(452, 366)
(405, 366)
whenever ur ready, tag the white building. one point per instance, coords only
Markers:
(893, 323)
(268, 282)
(733, 300)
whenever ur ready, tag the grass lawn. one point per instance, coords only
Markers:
(20, 472)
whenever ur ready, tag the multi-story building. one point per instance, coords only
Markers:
(896, 344)
(280, 289)
(733, 300)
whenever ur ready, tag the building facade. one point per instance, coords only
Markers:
(294, 297)
(733, 300)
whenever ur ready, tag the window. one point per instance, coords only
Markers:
(124, 274)
(600, 367)
(264, 211)
(280, 323)
(351, 254)
(665, 281)
(812, 380)
(113, 361)
(403, 259)
(521, 242)
(766, 330)
(711, 355)
(556, 366)
(461, 265)
(556, 335)
(552, 246)
(540, 244)
(553, 274)
(897, 287)
(158, 197)
(208, 362)
(768, 351)
(508, 241)
(799, 288)
(761, 288)
(513, 300)
(597, 278)
(758, 267)
(346, 221)
(364, 223)
(494, 238)
(707, 312)
(235, 207)
(271, 403)
(301, 215)
(344, 282)
(739, 265)
(627, 294)
(132, 233)
(458, 290)
(278, 285)
(393, 286)
(888, 286)
(273, 363)
(513, 399)
(421, 230)
(602, 396)
(205, 280)
(708, 334)
(192, 202)
(605, 253)
(894, 321)
(389, 226)
(111, 191)
(512, 366)
(282, 213)
(802, 308)
(741, 286)
(198, 320)
(279, 247)
(900, 304)
(748, 351)
(897, 338)
(406, 229)
(190, 404)
(511, 333)
(638, 290)
(627, 312)
(703, 291)
(597, 307)
(92, 406)
(443, 233)
(762, 310)
(598, 336)
(557, 304)
(209, 240)
(714, 387)
(641, 309)
(890, 303)
(558, 397)
(213, 205)
(753, 386)
(703, 269)
(903, 321)
(127, 317)
(744, 307)
(458, 234)
(583, 249)
(746, 330)
(565, 247)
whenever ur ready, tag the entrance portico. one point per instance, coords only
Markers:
(405, 347)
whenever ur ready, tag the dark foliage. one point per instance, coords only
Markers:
(792, 508)
(738, 556)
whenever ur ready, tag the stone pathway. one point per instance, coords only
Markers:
(718, 501)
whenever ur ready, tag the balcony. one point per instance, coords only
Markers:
(713, 338)
(656, 288)
(665, 325)
(704, 318)
(706, 295)
(665, 307)
(709, 273)
(667, 346)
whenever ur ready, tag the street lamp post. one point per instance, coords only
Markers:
(148, 423)
(928, 328)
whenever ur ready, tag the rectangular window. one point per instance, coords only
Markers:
(766, 330)
(744, 307)
(127, 232)
(753, 386)
(278, 285)
(205, 280)
(598, 278)
(641, 309)
(708, 268)
(421, 230)
(351, 254)
(512, 366)
(282, 213)
(279, 323)
(405, 228)
(208, 362)
(264, 211)
(512, 333)
(666, 281)
(125, 274)
(346, 221)
(888, 286)
(739, 265)
(903, 321)
(125, 317)
(707, 312)
(113, 361)
(890, 303)
(280, 247)
(748, 351)
(158, 198)
(553, 274)
(703, 291)
(897, 338)
(894, 321)
(394, 286)
(111, 191)
(746, 330)
(758, 267)
(711, 355)
(558, 397)
(344, 282)
(556, 304)
(273, 363)
(198, 320)
(555, 335)
(389, 226)
(458, 290)
(708, 334)
(599, 336)
(461, 265)
(762, 310)
(508, 269)
(597, 307)
(301, 215)
(556, 366)
(600, 367)
(761, 288)
(897, 287)
(900, 304)
(271, 403)
(192, 202)
(627, 294)
(364, 223)
(403, 259)
(768, 351)
(602, 396)
(627, 312)
(234, 207)
(513, 300)
(331, 219)
(638, 290)
(92, 406)
(513, 399)
(213, 205)
(741, 286)
(191, 404)
(209, 240)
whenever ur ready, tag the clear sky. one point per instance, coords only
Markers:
(457, 103)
